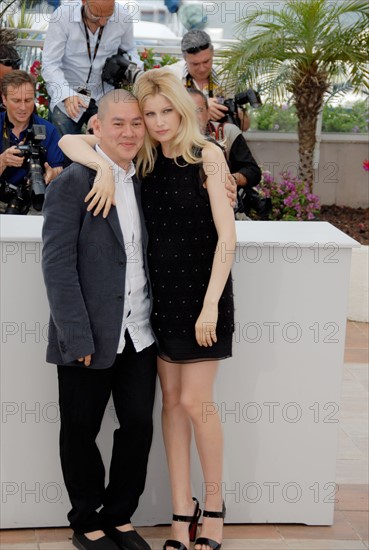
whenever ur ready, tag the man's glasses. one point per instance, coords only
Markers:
(14, 63)
(96, 18)
(198, 49)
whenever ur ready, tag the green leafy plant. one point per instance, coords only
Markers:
(346, 119)
(301, 51)
(275, 118)
(338, 118)
(23, 21)
(152, 60)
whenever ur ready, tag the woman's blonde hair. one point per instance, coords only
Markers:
(164, 82)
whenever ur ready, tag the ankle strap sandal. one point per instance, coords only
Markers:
(204, 541)
(192, 520)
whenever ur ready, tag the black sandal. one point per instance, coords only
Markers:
(192, 520)
(204, 541)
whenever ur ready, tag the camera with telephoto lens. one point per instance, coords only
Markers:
(31, 190)
(119, 69)
(250, 96)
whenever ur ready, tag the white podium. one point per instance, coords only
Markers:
(278, 397)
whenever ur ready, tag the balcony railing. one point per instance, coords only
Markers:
(30, 46)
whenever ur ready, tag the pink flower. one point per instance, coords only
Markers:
(366, 165)
(291, 197)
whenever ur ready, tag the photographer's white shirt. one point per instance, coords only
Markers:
(65, 60)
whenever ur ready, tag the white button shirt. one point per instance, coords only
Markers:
(65, 61)
(136, 313)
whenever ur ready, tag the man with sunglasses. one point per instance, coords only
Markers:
(196, 71)
(9, 60)
(80, 37)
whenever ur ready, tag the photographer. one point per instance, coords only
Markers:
(242, 164)
(80, 38)
(196, 71)
(9, 61)
(21, 154)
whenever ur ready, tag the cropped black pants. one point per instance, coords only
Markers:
(83, 396)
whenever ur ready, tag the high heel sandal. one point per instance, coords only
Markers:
(204, 541)
(192, 520)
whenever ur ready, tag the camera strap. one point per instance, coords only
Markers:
(7, 133)
(101, 30)
(191, 84)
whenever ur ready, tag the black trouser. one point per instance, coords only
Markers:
(83, 396)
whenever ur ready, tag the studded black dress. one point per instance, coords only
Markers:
(182, 242)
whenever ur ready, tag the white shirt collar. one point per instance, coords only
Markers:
(118, 170)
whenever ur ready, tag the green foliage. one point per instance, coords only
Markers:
(301, 51)
(275, 118)
(344, 119)
(152, 60)
(23, 21)
(277, 46)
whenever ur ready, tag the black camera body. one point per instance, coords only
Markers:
(253, 204)
(31, 191)
(250, 96)
(119, 69)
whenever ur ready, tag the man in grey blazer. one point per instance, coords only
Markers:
(95, 271)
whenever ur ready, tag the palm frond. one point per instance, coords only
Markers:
(305, 50)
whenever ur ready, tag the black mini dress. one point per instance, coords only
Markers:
(182, 242)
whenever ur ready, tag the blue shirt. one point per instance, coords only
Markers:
(54, 155)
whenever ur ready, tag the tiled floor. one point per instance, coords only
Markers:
(350, 528)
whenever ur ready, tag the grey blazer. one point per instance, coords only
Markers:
(84, 266)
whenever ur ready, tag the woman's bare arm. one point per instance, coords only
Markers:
(80, 148)
(216, 169)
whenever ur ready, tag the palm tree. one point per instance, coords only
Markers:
(302, 51)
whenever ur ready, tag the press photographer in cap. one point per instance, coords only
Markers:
(196, 71)
(29, 153)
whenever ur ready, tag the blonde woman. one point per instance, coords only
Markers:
(191, 243)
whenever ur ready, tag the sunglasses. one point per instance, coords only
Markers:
(14, 63)
(198, 49)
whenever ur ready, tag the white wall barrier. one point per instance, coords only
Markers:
(278, 397)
